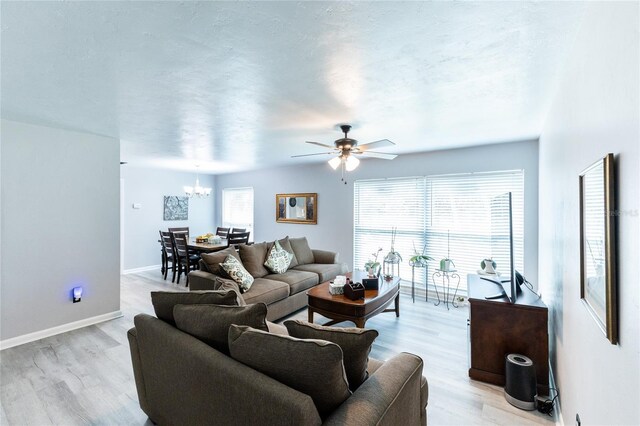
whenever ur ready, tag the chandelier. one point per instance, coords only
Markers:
(197, 190)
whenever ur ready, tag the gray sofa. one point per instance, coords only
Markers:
(282, 293)
(182, 380)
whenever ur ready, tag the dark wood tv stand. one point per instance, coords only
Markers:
(498, 328)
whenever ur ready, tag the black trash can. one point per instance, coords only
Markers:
(520, 382)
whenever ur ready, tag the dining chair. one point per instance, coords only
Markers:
(186, 260)
(168, 255)
(237, 238)
(222, 232)
(181, 229)
(238, 230)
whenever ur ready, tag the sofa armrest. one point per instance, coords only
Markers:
(132, 336)
(324, 256)
(390, 396)
(201, 280)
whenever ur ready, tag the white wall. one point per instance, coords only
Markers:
(60, 227)
(334, 230)
(595, 111)
(148, 187)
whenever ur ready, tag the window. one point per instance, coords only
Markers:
(237, 209)
(432, 211)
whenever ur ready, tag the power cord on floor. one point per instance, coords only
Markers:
(545, 406)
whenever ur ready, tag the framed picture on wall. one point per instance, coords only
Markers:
(297, 208)
(598, 287)
(176, 207)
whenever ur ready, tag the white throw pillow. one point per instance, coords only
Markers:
(236, 271)
(278, 259)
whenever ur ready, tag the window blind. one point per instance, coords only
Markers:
(237, 209)
(459, 210)
(431, 211)
(379, 206)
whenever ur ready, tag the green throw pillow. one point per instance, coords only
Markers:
(313, 367)
(354, 342)
(210, 323)
(236, 272)
(278, 259)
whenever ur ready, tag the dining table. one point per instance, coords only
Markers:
(207, 247)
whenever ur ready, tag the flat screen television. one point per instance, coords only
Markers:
(502, 248)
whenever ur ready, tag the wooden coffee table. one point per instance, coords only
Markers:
(338, 308)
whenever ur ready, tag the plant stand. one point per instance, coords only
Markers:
(415, 265)
(446, 276)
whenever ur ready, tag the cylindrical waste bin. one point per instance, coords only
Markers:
(520, 382)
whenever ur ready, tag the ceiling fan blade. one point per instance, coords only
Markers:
(373, 154)
(321, 144)
(319, 153)
(375, 144)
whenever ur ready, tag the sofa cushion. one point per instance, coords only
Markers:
(266, 291)
(278, 259)
(313, 367)
(354, 342)
(286, 244)
(326, 272)
(253, 257)
(164, 301)
(302, 250)
(213, 260)
(210, 323)
(234, 269)
(297, 280)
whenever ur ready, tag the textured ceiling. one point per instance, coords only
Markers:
(240, 85)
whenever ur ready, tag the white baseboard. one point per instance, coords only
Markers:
(37, 335)
(142, 269)
(557, 411)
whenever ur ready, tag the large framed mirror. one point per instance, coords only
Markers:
(297, 208)
(598, 245)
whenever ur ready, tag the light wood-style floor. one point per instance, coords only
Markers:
(85, 376)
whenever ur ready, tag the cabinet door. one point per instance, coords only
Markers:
(498, 329)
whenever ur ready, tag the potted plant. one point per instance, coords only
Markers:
(372, 266)
(446, 263)
(419, 259)
(392, 258)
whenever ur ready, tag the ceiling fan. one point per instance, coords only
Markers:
(346, 151)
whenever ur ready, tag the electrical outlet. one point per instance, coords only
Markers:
(578, 422)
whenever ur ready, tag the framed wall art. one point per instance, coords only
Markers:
(598, 287)
(176, 207)
(297, 208)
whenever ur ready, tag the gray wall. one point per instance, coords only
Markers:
(595, 111)
(334, 230)
(60, 227)
(148, 187)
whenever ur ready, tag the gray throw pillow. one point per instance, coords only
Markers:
(213, 260)
(210, 323)
(164, 301)
(354, 342)
(313, 367)
(226, 284)
(286, 244)
(303, 252)
(253, 257)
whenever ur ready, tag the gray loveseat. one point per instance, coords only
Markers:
(182, 380)
(282, 293)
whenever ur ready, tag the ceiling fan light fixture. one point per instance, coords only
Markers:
(335, 162)
(351, 163)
